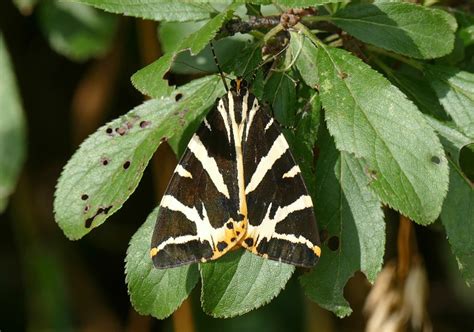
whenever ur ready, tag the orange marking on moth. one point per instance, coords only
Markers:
(153, 252)
(317, 251)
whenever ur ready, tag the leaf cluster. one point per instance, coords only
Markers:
(383, 92)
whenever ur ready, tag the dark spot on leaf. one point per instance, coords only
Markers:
(107, 209)
(178, 96)
(181, 115)
(100, 210)
(221, 245)
(84, 197)
(249, 241)
(121, 130)
(126, 165)
(323, 235)
(89, 222)
(435, 160)
(129, 125)
(333, 243)
(342, 75)
(86, 208)
(371, 173)
(233, 239)
(230, 225)
(104, 161)
(144, 124)
(109, 131)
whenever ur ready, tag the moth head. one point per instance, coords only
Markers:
(239, 85)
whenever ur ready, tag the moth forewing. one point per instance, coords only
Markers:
(281, 221)
(199, 217)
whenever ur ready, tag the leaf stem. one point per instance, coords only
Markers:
(272, 33)
(383, 66)
(406, 247)
(301, 27)
(183, 318)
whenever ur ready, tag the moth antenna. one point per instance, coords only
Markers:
(218, 66)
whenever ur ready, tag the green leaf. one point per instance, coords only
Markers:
(76, 31)
(156, 292)
(303, 3)
(12, 128)
(404, 28)
(304, 53)
(106, 169)
(159, 10)
(227, 49)
(286, 3)
(171, 34)
(304, 138)
(457, 217)
(287, 312)
(455, 90)
(245, 63)
(280, 92)
(352, 217)
(466, 26)
(372, 119)
(241, 281)
(419, 90)
(149, 80)
(256, 2)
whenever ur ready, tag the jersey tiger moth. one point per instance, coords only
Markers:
(237, 184)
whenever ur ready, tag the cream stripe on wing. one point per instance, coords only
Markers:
(207, 124)
(268, 124)
(252, 113)
(203, 226)
(293, 239)
(209, 164)
(182, 172)
(277, 150)
(267, 228)
(177, 240)
(222, 111)
(204, 229)
(292, 172)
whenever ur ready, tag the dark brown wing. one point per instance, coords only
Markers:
(281, 221)
(199, 216)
